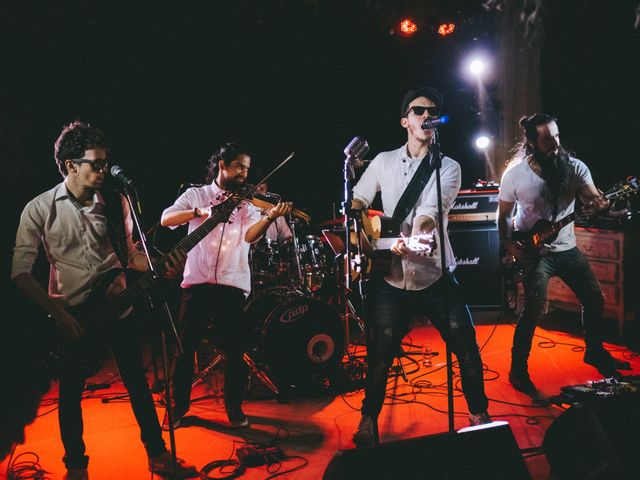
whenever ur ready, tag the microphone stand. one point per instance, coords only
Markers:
(169, 318)
(436, 163)
(350, 219)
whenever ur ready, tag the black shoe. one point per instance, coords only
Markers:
(364, 436)
(179, 411)
(605, 362)
(521, 381)
(237, 418)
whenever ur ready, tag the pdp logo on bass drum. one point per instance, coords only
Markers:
(293, 314)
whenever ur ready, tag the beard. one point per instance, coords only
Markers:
(555, 171)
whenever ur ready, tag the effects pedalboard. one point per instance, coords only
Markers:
(598, 390)
(257, 454)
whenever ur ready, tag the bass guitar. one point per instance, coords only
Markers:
(88, 352)
(544, 232)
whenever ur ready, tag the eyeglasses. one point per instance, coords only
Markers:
(419, 110)
(97, 164)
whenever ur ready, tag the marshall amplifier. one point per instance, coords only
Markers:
(476, 248)
(473, 206)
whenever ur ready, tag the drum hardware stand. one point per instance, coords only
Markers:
(253, 368)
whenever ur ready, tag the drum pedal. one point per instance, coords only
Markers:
(255, 455)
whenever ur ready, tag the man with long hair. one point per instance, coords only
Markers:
(543, 180)
(217, 278)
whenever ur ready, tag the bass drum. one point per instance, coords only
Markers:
(300, 340)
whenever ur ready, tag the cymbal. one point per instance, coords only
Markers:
(340, 220)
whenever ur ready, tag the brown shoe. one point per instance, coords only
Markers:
(476, 419)
(76, 474)
(163, 465)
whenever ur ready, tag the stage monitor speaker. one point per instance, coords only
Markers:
(483, 454)
(477, 251)
(597, 440)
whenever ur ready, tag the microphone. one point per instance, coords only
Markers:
(357, 148)
(118, 172)
(430, 123)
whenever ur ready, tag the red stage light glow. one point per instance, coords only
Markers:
(446, 29)
(407, 27)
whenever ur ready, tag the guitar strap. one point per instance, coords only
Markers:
(115, 224)
(414, 189)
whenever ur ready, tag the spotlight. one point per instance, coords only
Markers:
(482, 142)
(408, 27)
(446, 29)
(477, 67)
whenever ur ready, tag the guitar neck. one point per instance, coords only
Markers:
(220, 213)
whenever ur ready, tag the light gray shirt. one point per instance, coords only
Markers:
(520, 184)
(75, 240)
(389, 173)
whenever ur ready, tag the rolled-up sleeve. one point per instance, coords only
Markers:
(368, 185)
(451, 179)
(186, 201)
(28, 240)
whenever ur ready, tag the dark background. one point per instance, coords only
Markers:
(170, 82)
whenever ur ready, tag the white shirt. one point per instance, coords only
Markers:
(75, 240)
(278, 230)
(520, 184)
(390, 173)
(222, 257)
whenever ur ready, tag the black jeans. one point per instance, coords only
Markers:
(389, 322)
(223, 307)
(574, 269)
(124, 341)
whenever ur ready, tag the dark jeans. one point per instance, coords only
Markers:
(124, 341)
(389, 322)
(223, 307)
(574, 269)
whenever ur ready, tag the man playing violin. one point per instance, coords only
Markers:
(86, 231)
(217, 279)
(544, 181)
(416, 284)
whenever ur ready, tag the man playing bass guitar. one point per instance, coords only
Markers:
(544, 181)
(86, 231)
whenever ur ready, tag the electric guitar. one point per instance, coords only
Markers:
(544, 232)
(88, 352)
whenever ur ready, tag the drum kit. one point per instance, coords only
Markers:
(300, 338)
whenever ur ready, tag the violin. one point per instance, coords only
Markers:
(247, 192)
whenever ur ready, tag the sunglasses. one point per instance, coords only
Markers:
(97, 165)
(419, 110)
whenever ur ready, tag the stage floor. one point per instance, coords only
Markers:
(315, 428)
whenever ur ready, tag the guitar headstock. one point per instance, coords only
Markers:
(624, 189)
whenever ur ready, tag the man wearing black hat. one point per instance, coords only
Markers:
(416, 283)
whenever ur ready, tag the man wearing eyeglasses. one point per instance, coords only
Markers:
(86, 232)
(416, 283)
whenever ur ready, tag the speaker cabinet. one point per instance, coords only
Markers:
(599, 440)
(477, 252)
(486, 454)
